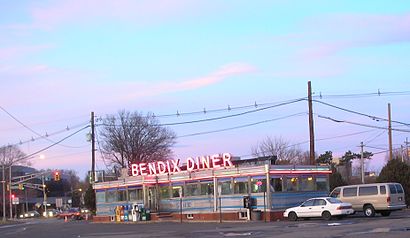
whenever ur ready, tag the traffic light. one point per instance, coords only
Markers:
(12, 196)
(56, 176)
(21, 186)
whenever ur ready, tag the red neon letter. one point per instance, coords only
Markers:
(190, 164)
(143, 167)
(175, 166)
(227, 160)
(134, 170)
(215, 161)
(151, 168)
(162, 167)
(205, 162)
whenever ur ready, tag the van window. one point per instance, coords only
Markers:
(335, 193)
(382, 189)
(399, 188)
(368, 190)
(392, 189)
(350, 192)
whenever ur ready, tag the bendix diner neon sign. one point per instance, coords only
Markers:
(173, 166)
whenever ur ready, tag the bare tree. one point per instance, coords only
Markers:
(11, 155)
(282, 149)
(133, 138)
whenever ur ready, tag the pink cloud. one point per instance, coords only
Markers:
(223, 73)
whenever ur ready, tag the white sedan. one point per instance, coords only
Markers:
(325, 207)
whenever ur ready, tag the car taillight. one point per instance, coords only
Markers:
(388, 199)
(343, 207)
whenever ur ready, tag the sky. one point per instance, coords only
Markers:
(60, 60)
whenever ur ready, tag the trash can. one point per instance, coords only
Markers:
(143, 215)
(256, 215)
(148, 215)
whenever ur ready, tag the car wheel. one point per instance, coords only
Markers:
(326, 215)
(369, 211)
(385, 213)
(292, 216)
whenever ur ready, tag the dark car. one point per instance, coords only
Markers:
(72, 213)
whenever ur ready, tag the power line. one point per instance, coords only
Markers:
(30, 129)
(242, 126)
(51, 134)
(374, 138)
(54, 144)
(223, 117)
(360, 113)
(360, 124)
(360, 95)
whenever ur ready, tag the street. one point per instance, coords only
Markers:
(397, 225)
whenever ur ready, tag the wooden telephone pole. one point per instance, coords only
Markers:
(311, 126)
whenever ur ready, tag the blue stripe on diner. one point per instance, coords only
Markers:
(298, 194)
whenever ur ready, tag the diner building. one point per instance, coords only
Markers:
(216, 187)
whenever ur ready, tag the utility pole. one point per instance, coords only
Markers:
(10, 192)
(407, 149)
(92, 179)
(390, 133)
(4, 193)
(362, 161)
(311, 126)
(44, 195)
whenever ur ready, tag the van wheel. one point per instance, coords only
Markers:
(369, 211)
(385, 213)
(292, 216)
(326, 215)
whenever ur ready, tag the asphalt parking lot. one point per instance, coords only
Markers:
(397, 225)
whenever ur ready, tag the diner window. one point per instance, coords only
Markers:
(135, 194)
(240, 185)
(100, 196)
(177, 191)
(164, 191)
(192, 189)
(321, 184)
(111, 195)
(226, 187)
(307, 183)
(276, 184)
(258, 184)
(207, 188)
(292, 184)
(122, 195)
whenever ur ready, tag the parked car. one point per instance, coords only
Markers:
(30, 214)
(325, 207)
(72, 213)
(372, 198)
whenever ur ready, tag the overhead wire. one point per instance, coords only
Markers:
(361, 124)
(242, 126)
(30, 129)
(360, 113)
(52, 145)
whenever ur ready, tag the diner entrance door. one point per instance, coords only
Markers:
(152, 198)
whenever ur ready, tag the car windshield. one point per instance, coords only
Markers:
(333, 200)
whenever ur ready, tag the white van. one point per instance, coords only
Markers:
(372, 198)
